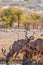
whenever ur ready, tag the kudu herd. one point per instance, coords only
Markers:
(30, 47)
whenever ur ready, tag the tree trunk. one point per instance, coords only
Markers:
(18, 24)
(10, 24)
(26, 30)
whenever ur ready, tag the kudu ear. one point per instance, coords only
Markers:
(31, 37)
(3, 50)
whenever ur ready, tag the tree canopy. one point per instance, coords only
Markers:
(11, 15)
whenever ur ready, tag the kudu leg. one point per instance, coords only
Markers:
(9, 55)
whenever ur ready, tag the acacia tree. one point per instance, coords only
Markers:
(34, 18)
(19, 12)
(25, 21)
(31, 18)
(9, 16)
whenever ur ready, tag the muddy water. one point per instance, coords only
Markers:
(18, 64)
(10, 64)
(31, 63)
(15, 64)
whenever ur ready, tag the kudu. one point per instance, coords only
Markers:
(18, 46)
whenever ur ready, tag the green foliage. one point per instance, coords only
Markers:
(11, 15)
(33, 17)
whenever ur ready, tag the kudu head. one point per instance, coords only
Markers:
(30, 38)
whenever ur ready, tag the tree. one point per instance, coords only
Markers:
(34, 18)
(23, 19)
(9, 16)
(19, 12)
